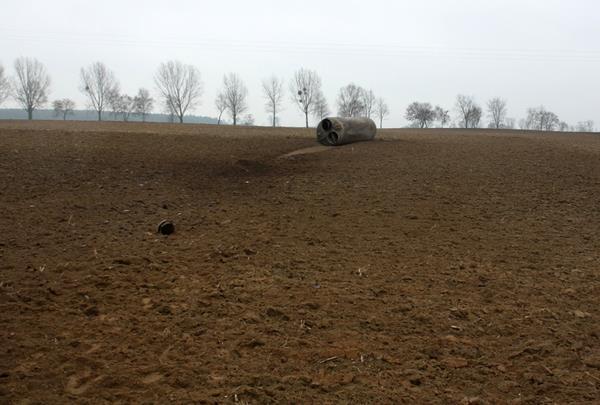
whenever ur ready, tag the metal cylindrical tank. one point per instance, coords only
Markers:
(340, 131)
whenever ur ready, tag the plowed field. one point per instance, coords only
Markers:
(431, 266)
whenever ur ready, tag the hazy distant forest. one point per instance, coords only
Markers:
(178, 90)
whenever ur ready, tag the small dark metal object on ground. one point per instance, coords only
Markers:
(166, 227)
(341, 131)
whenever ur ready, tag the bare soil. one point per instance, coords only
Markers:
(424, 267)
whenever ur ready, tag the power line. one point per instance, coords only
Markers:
(321, 48)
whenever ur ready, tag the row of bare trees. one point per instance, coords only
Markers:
(180, 88)
(120, 106)
(305, 92)
(470, 115)
(424, 115)
(355, 101)
(103, 92)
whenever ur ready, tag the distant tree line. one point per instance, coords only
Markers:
(180, 89)
(469, 114)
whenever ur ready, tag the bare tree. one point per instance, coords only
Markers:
(305, 88)
(168, 110)
(464, 105)
(368, 99)
(475, 117)
(64, 107)
(235, 94)
(350, 101)
(382, 110)
(420, 114)
(497, 112)
(121, 105)
(273, 92)
(470, 112)
(585, 126)
(523, 123)
(509, 123)
(320, 108)
(248, 120)
(549, 121)
(180, 86)
(441, 115)
(531, 121)
(31, 84)
(563, 126)
(115, 103)
(127, 106)
(143, 103)
(541, 119)
(98, 83)
(4, 86)
(221, 105)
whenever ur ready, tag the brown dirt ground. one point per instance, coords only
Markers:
(427, 266)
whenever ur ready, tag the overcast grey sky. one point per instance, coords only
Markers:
(530, 52)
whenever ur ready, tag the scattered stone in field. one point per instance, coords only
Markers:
(473, 400)
(592, 361)
(166, 227)
(580, 314)
(152, 378)
(455, 362)
(250, 252)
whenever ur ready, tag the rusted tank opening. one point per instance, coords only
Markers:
(326, 124)
(332, 137)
